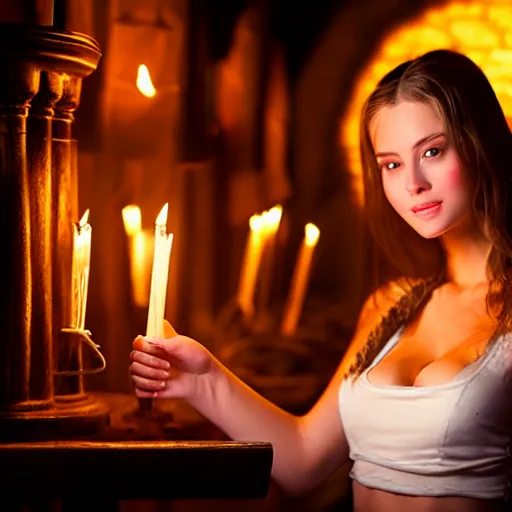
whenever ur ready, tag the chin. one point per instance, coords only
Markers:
(430, 232)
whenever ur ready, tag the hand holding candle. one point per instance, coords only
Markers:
(300, 281)
(160, 272)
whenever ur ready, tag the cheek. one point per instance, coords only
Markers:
(454, 179)
(392, 192)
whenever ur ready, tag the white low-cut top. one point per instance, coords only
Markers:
(452, 439)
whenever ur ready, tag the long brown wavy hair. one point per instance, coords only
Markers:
(477, 128)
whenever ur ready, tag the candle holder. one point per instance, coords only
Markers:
(40, 90)
(150, 421)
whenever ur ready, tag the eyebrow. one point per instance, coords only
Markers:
(420, 142)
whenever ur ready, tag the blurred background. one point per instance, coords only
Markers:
(225, 110)
(256, 104)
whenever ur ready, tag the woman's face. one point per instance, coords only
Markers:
(421, 173)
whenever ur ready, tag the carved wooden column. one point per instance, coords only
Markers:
(42, 69)
(68, 353)
(17, 88)
(39, 136)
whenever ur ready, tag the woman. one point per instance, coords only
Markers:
(421, 401)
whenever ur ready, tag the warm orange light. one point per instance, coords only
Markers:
(311, 234)
(256, 222)
(140, 252)
(300, 281)
(132, 219)
(250, 265)
(144, 82)
(272, 218)
(480, 30)
(141, 255)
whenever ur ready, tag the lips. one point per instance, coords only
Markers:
(426, 207)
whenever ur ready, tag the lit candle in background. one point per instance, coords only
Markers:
(80, 270)
(300, 280)
(132, 219)
(144, 82)
(250, 265)
(140, 247)
(141, 252)
(160, 272)
(271, 222)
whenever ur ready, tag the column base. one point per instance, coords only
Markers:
(65, 420)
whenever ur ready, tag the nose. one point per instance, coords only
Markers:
(416, 181)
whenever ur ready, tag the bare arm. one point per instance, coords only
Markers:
(307, 449)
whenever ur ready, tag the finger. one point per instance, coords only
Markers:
(148, 384)
(148, 372)
(140, 393)
(149, 360)
(145, 345)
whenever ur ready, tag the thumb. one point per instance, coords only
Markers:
(169, 331)
(168, 345)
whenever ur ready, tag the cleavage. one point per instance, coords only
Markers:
(411, 364)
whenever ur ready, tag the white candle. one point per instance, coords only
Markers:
(140, 249)
(271, 222)
(159, 274)
(300, 279)
(80, 270)
(250, 265)
(141, 252)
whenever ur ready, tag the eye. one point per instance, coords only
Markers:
(432, 152)
(389, 166)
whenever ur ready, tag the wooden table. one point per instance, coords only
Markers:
(136, 469)
(95, 474)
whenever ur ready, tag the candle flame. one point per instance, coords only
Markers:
(273, 217)
(275, 214)
(85, 218)
(312, 233)
(161, 220)
(132, 219)
(256, 222)
(144, 83)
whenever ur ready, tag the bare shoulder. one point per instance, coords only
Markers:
(372, 311)
(379, 302)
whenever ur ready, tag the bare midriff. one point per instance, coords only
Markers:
(375, 500)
